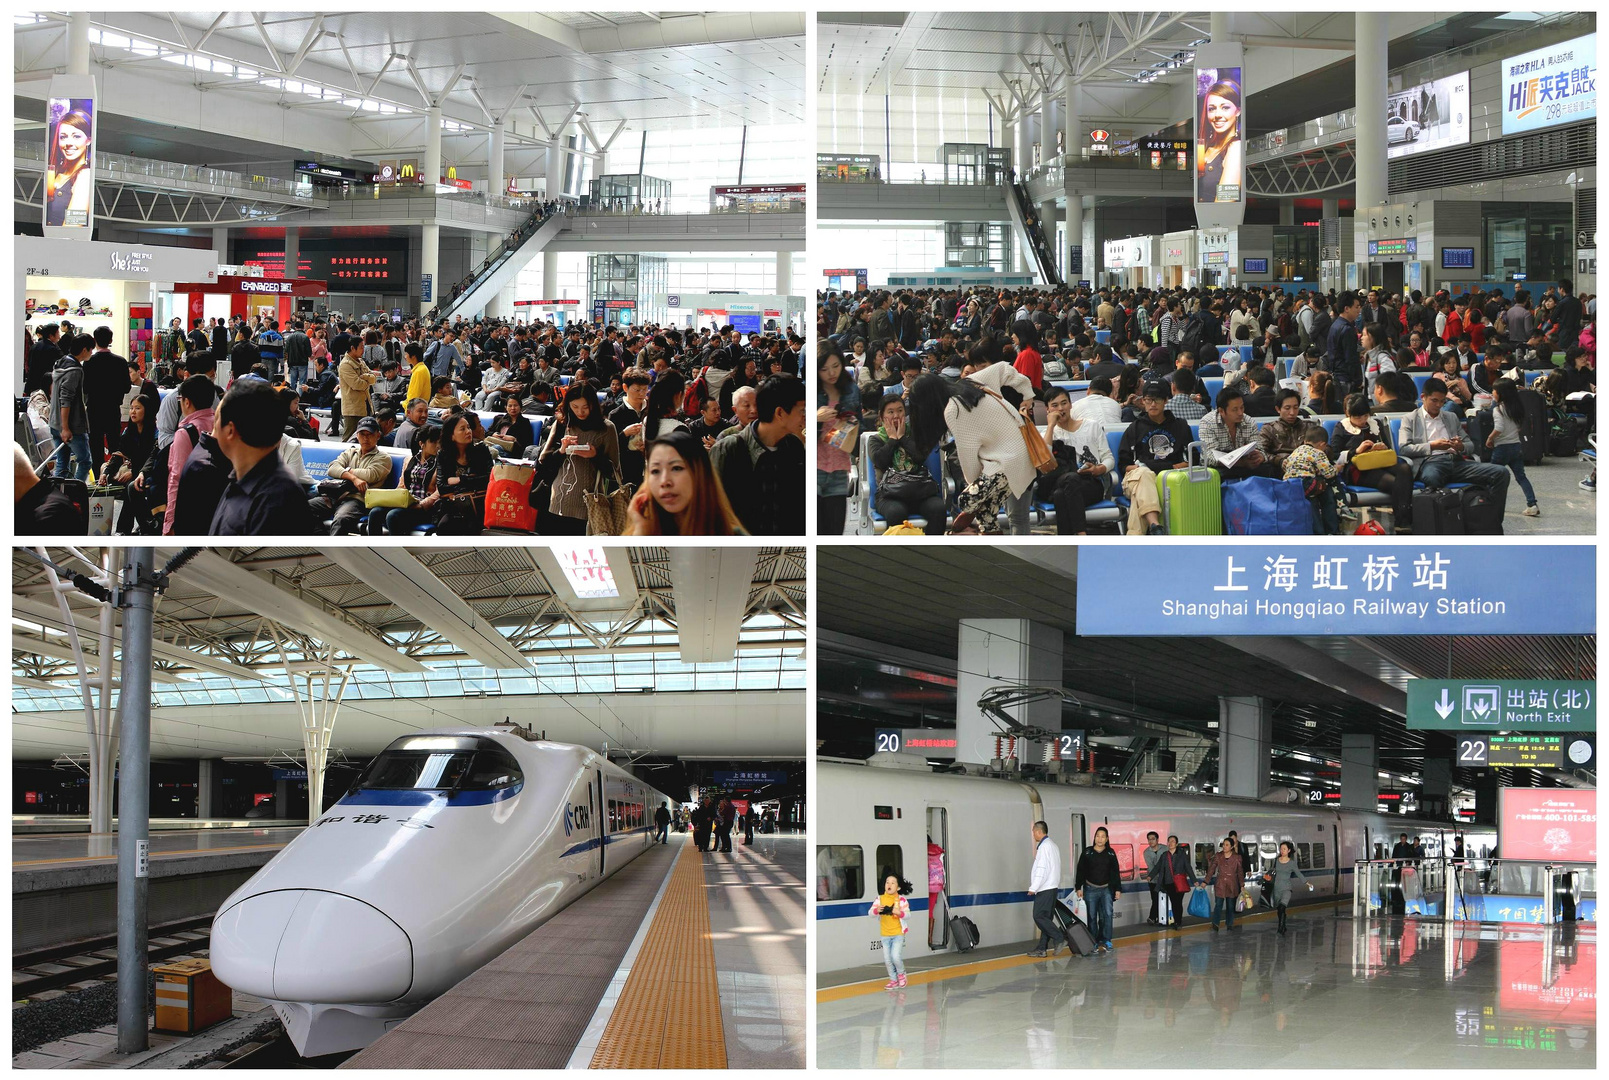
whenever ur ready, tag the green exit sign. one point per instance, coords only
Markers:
(1502, 705)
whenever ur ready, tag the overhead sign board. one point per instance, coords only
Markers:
(1257, 589)
(749, 779)
(1513, 751)
(932, 742)
(1502, 704)
(1553, 85)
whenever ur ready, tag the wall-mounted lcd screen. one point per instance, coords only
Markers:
(1462, 258)
(1428, 116)
(1254, 266)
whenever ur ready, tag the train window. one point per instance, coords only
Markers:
(614, 814)
(1304, 857)
(1125, 861)
(1318, 856)
(1204, 854)
(840, 873)
(1267, 850)
(890, 860)
(493, 770)
(441, 763)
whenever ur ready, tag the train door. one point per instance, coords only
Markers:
(603, 836)
(1077, 838)
(938, 922)
(1335, 835)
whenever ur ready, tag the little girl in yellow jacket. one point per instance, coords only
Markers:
(892, 909)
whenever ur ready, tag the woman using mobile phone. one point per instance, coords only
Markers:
(891, 910)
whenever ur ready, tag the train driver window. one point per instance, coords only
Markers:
(1318, 856)
(840, 873)
(1204, 853)
(890, 860)
(440, 763)
(1304, 857)
(494, 769)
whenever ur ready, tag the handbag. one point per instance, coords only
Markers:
(1200, 905)
(335, 490)
(1374, 459)
(908, 487)
(1034, 443)
(1261, 506)
(606, 510)
(397, 498)
(1181, 884)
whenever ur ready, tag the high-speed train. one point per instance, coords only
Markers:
(452, 845)
(879, 820)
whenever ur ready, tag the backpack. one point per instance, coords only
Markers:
(1321, 330)
(698, 392)
(1195, 332)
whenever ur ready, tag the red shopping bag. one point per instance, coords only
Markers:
(508, 498)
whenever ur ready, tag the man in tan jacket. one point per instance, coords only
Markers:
(355, 380)
(363, 466)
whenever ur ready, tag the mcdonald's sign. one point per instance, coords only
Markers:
(407, 171)
(452, 172)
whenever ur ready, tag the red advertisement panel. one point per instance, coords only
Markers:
(1549, 824)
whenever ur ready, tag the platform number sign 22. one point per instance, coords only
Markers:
(1472, 751)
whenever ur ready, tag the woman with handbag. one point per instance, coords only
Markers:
(417, 479)
(1283, 878)
(837, 434)
(463, 469)
(1361, 448)
(991, 440)
(904, 486)
(591, 454)
(1178, 879)
(681, 493)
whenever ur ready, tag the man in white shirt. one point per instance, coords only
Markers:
(1099, 404)
(1043, 884)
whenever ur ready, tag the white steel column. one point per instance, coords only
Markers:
(99, 722)
(317, 713)
(78, 43)
(293, 251)
(784, 273)
(1072, 259)
(1218, 27)
(495, 183)
(430, 246)
(1369, 65)
(550, 277)
(220, 242)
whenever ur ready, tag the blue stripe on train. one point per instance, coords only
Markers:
(857, 908)
(592, 845)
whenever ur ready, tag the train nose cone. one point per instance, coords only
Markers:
(304, 945)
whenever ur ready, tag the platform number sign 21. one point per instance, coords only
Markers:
(1072, 743)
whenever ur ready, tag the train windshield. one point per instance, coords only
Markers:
(437, 763)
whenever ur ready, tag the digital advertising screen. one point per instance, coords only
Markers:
(1548, 824)
(1555, 85)
(1220, 136)
(70, 157)
(1428, 116)
(347, 264)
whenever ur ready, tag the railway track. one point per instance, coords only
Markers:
(37, 970)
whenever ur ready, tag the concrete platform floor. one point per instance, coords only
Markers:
(1331, 994)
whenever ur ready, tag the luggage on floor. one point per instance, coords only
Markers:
(1483, 515)
(1078, 936)
(1534, 428)
(1262, 506)
(1438, 512)
(1479, 428)
(963, 931)
(1192, 498)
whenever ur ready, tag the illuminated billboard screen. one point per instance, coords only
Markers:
(1548, 824)
(69, 167)
(1555, 85)
(1428, 116)
(1220, 136)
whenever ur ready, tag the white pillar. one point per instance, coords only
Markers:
(550, 276)
(1369, 64)
(495, 183)
(1077, 269)
(78, 43)
(784, 273)
(1332, 208)
(220, 242)
(1072, 104)
(293, 250)
(555, 166)
(1245, 730)
(1048, 129)
(430, 247)
(1360, 777)
(1073, 269)
(1047, 223)
(1287, 212)
(1218, 27)
(1004, 652)
(206, 778)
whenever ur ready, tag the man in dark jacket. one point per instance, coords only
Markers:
(1567, 314)
(763, 467)
(42, 358)
(106, 383)
(1155, 442)
(1342, 345)
(260, 497)
(68, 421)
(298, 350)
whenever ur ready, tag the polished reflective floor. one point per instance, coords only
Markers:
(1389, 994)
(29, 852)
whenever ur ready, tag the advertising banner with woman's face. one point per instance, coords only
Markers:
(69, 157)
(1219, 160)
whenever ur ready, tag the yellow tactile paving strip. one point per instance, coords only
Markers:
(669, 1012)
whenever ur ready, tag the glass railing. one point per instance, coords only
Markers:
(219, 180)
(1476, 889)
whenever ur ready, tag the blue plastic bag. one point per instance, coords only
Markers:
(1200, 905)
(1260, 506)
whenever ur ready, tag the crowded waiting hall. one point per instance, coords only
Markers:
(334, 425)
(1201, 411)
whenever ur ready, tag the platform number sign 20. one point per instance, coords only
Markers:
(1472, 751)
(888, 742)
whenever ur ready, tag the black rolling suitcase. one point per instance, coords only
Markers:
(1534, 429)
(1438, 512)
(1479, 429)
(1483, 515)
(1078, 936)
(963, 931)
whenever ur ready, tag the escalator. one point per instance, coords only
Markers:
(472, 294)
(1022, 212)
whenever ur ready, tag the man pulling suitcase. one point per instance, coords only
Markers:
(1042, 885)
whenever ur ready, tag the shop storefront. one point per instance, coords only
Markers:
(849, 168)
(1177, 252)
(557, 312)
(90, 284)
(247, 297)
(1128, 263)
